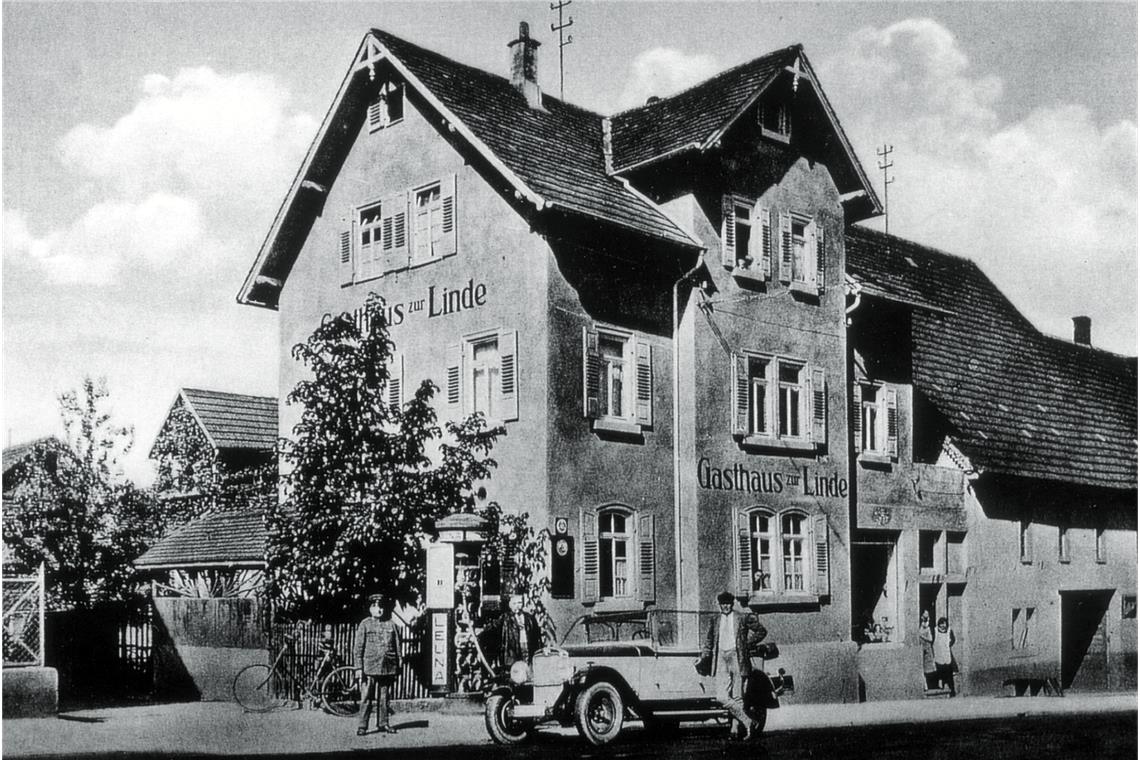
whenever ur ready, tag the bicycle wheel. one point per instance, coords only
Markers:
(340, 692)
(253, 689)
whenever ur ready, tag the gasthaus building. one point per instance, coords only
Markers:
(710, 379)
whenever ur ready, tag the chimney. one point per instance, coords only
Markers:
(1082, 330)
(524, 67)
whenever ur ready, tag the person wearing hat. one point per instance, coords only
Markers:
(726, 654)
(377, 661)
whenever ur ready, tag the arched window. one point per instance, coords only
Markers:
(614, 553)
(775, 553)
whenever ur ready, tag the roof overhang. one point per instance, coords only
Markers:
(243, 564)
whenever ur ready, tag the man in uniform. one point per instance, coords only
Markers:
(377, 661)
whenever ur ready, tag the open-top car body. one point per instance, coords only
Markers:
(614, 666)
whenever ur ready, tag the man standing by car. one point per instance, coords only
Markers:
(726, 654)
(378, 661)
(516, 634)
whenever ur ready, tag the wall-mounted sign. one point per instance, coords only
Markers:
(439, 653)
(439, 301)
(561, 526)
(740, 478)
(562, 566)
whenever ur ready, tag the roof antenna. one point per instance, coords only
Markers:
(884, 164)
(562, 42)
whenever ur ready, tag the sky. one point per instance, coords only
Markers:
(147, 147)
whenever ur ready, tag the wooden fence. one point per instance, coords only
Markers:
(305, 653)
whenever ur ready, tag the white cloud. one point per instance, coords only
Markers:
(200, 133)
(179, 179)
(663, 72)
(1045, 204)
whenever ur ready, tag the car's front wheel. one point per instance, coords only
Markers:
(599, 712)
(501, 724)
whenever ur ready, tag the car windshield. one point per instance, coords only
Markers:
(667, 629)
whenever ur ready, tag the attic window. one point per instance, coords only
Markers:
(776, 121)
(387, 108)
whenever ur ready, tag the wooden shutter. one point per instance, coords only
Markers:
(395, 233)
(856, 417)
(644, 403)
(376, 114)
(739, 394)
(447, 244)
(765, 244)
(892, 404)
(785, 247)
(345, 257)
(822, 556)
(589, 528)
(454, 358)
(509, 375)
(395, 390)
(727, 232)
(591, 374)
(421, 227)
(820, 256)
(647, 558)
(744, 554)
(818, 401)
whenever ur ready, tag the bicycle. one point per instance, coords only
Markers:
(336, 691)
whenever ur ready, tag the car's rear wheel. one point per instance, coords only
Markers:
(501, 724)
(599, 712)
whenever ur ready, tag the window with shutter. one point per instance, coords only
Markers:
(509, 375)
(892, 408)
(820, 257)
(822, 555)
(387, 108)
(394, 233)
(766, 243)
(395, 389)
(589, 532)
(782, 554)
(818, 400)
(454, 359)
(785, 247)
(773, 402)
(745, 562)
(485, 378)
(728, 232)
(345, 258)
(617, 380)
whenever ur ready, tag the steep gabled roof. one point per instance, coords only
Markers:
(699, 116)
(1021, 403)
(553, 159)
(232, 420)
(228, 537)
(15, 456)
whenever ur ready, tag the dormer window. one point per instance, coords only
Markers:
(776, 121)
(387, 108)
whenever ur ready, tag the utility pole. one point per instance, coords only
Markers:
(885, 164)
(563, 41)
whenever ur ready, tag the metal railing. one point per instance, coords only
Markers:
(24, 620)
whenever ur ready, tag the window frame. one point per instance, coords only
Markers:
(1025, 541)
(777, 414)
(640, 539)
(459, 375)
(637, 390)
(627, 538)
(783, 121)
(1064, 543)
(1100, 542)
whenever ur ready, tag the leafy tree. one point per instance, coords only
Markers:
(520, 553)
(73, 511)
(365, 480)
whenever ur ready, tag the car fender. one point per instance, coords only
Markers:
(587, 676)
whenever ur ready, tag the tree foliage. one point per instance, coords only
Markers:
(364, 480)
(73, 511)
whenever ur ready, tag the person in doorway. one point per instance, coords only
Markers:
(926, 639)
(377, 650)
(944, 641)
(514, 635)
(727, 655)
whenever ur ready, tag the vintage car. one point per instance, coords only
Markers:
(620, 665)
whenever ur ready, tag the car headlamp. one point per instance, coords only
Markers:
(520, 673)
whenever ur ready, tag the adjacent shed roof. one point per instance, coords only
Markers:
(229, 537)
(1022, 403)
(234, 420)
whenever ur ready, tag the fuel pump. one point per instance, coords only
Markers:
(453, 601)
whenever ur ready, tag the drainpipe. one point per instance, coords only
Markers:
(677, 429)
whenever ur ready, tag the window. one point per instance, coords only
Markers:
(1128, 607)
(381, 241)
(482, 376)
(618, 555)
(1025, 541)
(775, 121)
(1022, 628)
(1063, 543)
(387, 108)
(802, 253)
(1101, 546)
(617, 380)
(778, 401)
(773, 553)
(927, 545)
(613, 550)
(875, 421)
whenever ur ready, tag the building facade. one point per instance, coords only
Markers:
(700, 390)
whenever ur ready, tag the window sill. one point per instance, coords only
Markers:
(616, 604)
(749, 275)
(782, 137)
(782, 444)
(382, 127)
(617, 427)
(776, 598)
(875, 458)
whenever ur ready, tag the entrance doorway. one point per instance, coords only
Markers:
(1084, 639)
(874, 593)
